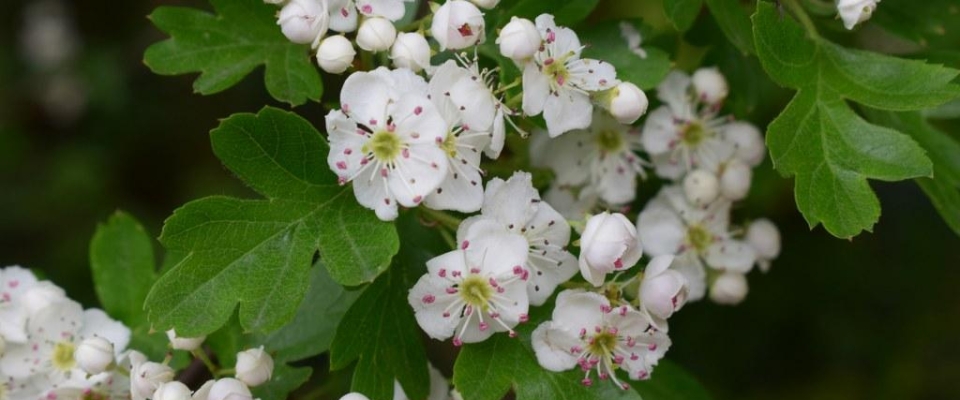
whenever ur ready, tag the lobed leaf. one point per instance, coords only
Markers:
(682, 13)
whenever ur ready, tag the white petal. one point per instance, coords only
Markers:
(499, 135)
(569, 157)
(617, 180)
(659, 132)
(692, 269)
(365, 96)
(731, 255)
(592, 75)
(674, 92)
(566, 111)
(536, 89)
(576, 310)
(511, 202)
(97, 323)
(448, 263)
(546, 275)
(661, 230)
(345, 145)
(552, 346)
(428, 299)
(495, 250)
(658, 265)
(343, 16)
(461, 190)
(475, 103)
(371, 191)
(389, 9)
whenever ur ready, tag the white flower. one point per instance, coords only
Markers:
(701, 187)
(557, 81)
(254, 366)
(354, 396)
(204, 392)
(519, 39)
(173, 390)
(182, 343)
(376, 34)
(609, 243)
(601, 158)
(343, 15)
(735, 179)
(95, 355)
(488, 4)
(662, 290)
(587, 331)
(517, 207)
(747, 142)
(229, 389)
(146, 377)
(764, 237)
(439, 387)
(626, 102)
(389, 9)
(466, 91)
(632, 36)
(411, 51)
(729, 288)
(573, 204)
(14, 282)
(853, 12)
(386, 140)
(710, 85)
(457, 24)
(304, 21)
(670, 225)
(479, 289)
(335, 54)
(40, 296)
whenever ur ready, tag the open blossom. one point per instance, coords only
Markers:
(589, 332)
(662, 290)
(468, 90)
(304, 21)
(474, 291)
(557, 82)
(670, 225)
(516, 205)
(609, 243)
(386, 140)
(853, 12)
(457, 24)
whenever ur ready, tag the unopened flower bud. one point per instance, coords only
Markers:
(254, 366)
(627, 102)
(457, 24)
(376, 34)
(735, 180)
(229, 389)
(488, 4)
(173, 390)
(146, 377)
(701, 187)
(853, 12)
(181, 343)
(411, 51)
(335, 54)
(94, 355)
(519, 39)
(354, 396)
(662, 290)
(204, 392)
(304, 21)
(609, 243)
(710, 85)
(41, 295)
(747, 141)
(764, 237)
(729, 288)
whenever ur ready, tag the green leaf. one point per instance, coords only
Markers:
(123, 267)
(944, 188)
(258, 252)
(227, 46)
(682, 13)
(933, 23)
(565, 12)
(830, 149)
(605, 42)
(285, 380)
(671, 382)
(734, 21)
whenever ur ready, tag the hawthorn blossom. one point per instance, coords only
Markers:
(696, 236)
(609, 243)
(304, 21)
(386, 139)
(557, 82)
(589, 332)
(663, 291)
(853, 12)
(730, 288)
(474, 291)
(457, 24)
(516, 206)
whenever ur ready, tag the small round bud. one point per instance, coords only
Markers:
(229, 389)
(519, 39)
(627, 103)
(729, 288)
(488, 4)
(181, 343)
(735, 180)
(354, 396)
(172, 390)
(747, 141)
(609, 243)
(764, 237)
(457, 24)
(94, 355)
(204, 392)
(701, 187)
(853, 12)
(304, 21)
(335, 54)
(41, 295)
(146, 377)
(254, 366)
(710, 85)
(376, 34)
(411, 51)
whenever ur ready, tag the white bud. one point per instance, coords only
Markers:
(229, 389)
(701, 187)
(411, 51)
(662, 290)
(764, 237)
(41, 295)
(181, 343)
(254, 366)
(519, 39)
(710, 85)
(609, 243)
(94, 355)
(335, 54)
(627, 102)
(747, 141)
(304, 21)
(204, 392)
(146, 377)
(354, 396)
(853, 12)
(729, 288)
(457, 24)
(488, 4)
(173, 390)
(735, 180)
(376, 34)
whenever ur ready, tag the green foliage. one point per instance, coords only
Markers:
(227, 46)
(605, 42)
(825, 144)
(258, 252)
(682, 13)
(734, 21)
(565, 12)
(671, 382)
(928, 23)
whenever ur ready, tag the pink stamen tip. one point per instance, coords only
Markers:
(494, 315)
(587, 382)
(446, 315)
(457, 342)
(341, 165)
(613, 331)
(484, 326)
(512, 334)
(342, 180)
(13, 283)
(364, 161)
(551, 36)
(417, 110)
(583, 332)
(652, 347)
(391, 127)
(576, 349)
(493, 282)
(474, 270)
(373, 122)
(618, 359)
(604, 376)
(548, 61)
(347, 152)
(366, 9)
(442, 273)
(560, 80)
(624, 386)
(344, 12)
(517, 270)
(418, 199)
(456, 274)
(464, 245)
(606, 309)
(618, 263)
(623, 311)
(428, 299)
(451, 290)
(524, 317)
(383, 172)
(500, 289)
(634, 357)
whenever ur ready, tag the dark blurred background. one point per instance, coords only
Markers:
(86, 129)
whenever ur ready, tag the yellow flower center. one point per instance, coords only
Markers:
(603, 344)
(699, 238)
(476, 292)
(63, 356)
(609, 140)
(694, 133)
(449, 145)
(384, 145)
